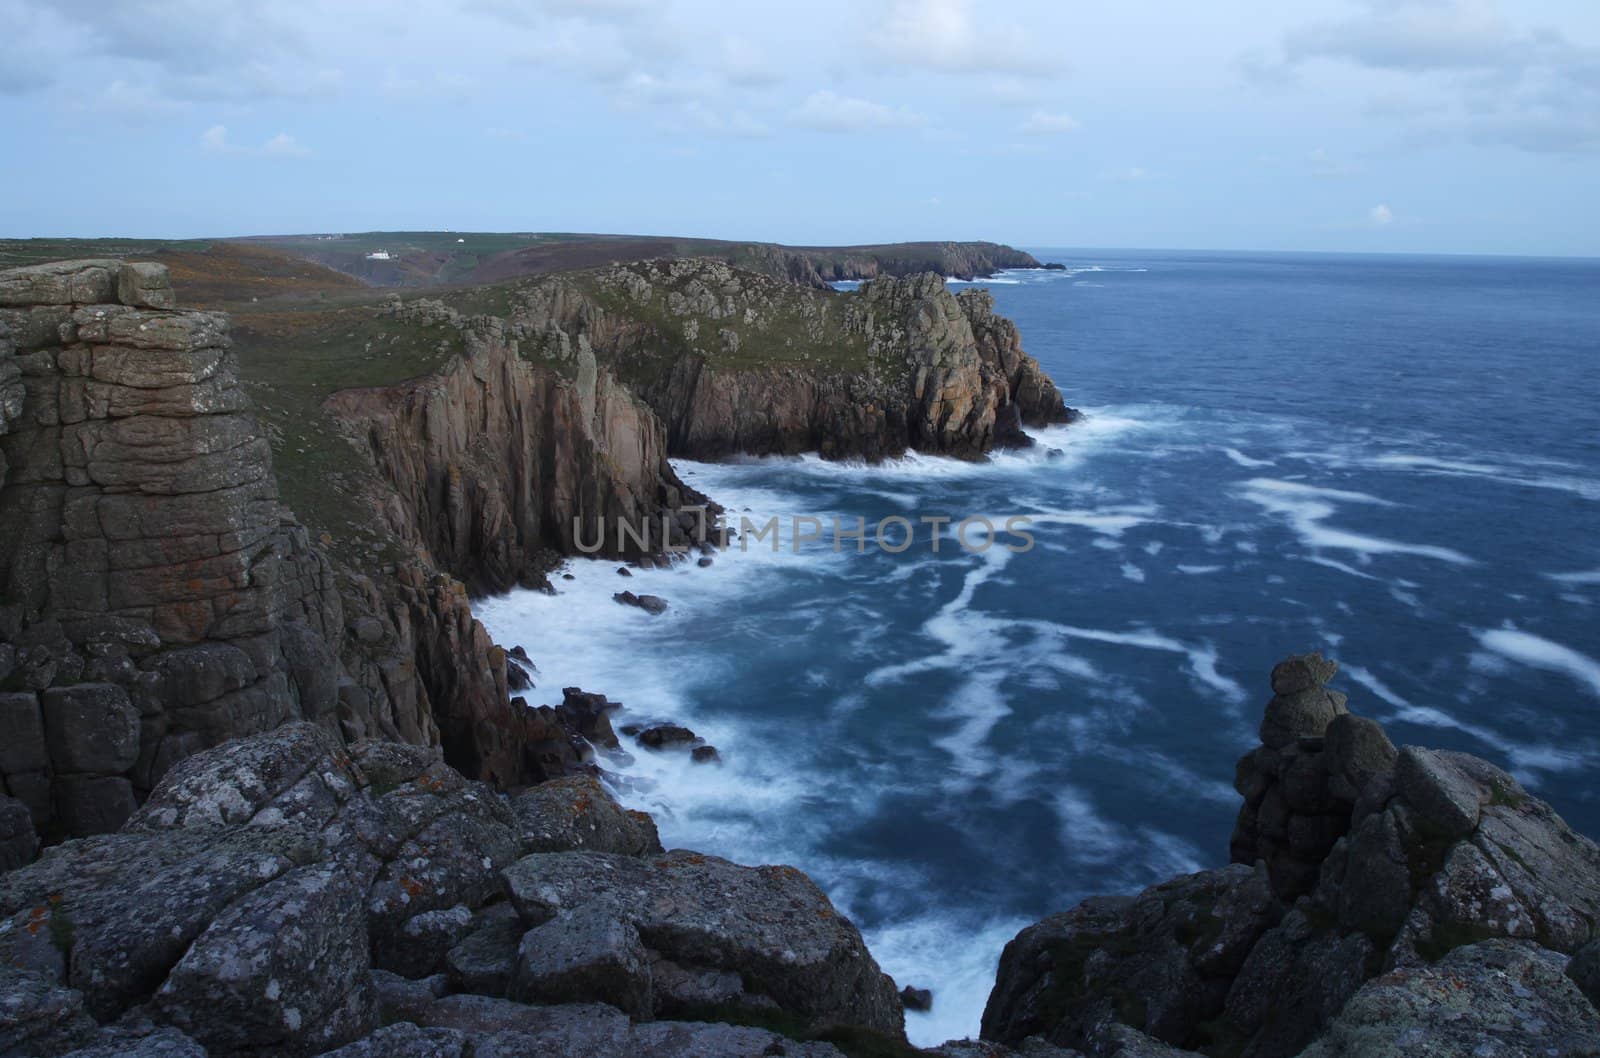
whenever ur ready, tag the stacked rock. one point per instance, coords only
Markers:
(1302, 784)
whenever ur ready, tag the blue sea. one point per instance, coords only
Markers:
(1392, 460)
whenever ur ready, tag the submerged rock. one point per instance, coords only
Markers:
(650, 604)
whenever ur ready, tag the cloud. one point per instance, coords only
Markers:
(215, 140)
(1045, 123)
(1532, 89)
(1327, 167)
(829, 111)
(942, 36)
(1380, 216)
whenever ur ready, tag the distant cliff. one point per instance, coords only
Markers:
(734, 362)
(426, 259)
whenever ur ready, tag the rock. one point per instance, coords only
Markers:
(18, 843)
(517, 679)
(93, 804)
(705, 561)
(1584, 969)
(589, 715)
(22, 741)
(402, 999)
(1159, 963)
(624, 571)
(59, 283)
(665, 736)
(1444, 798)
(587, 953)
(771, 925)
(91, 727)
(38, 1016)
(1290, 717)
(145, 285)
(406, 1041)
(575, 813)
(286, 967)
(1493, 998)
(486, 959)
(705, 755)
(297, 773)
(916, 998)
(159, 1043)
(654, 605)
(1303, 673)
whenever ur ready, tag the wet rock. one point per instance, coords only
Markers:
(666, 736)
(654, 605)
(916, 998)
(705, 755)
(589, 715)
(624, 571)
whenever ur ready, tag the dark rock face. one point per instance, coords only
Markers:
(1397, 896)
(259, 900)
(650, 604)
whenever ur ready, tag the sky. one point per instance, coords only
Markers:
(1449, 126)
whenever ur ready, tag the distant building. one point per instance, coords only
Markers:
(461, 240)
(379, 255)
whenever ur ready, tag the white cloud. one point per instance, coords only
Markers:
(831, 112)
(1380, 216)
(1505, 84)
(1046, 123)
(215, 140)
(944, 36)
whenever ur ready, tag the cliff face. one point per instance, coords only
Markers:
(158, 599)
(493, 460)
(737, 363)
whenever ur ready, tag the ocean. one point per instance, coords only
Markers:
(1392, 460)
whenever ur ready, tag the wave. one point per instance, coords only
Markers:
(1306, 508)
(1529, 649)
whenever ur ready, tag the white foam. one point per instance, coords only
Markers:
(1200, 571)
(1132, 572)
(1529, 649)
(955, 959)
(1246, 461)
(1307, 507)
(1583, 578)
(1529, 473)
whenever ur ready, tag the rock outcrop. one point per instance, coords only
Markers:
(1380, 898)
(158, 598)
(735, 363)
(281, 894)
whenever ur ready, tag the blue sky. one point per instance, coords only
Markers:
(1464, 126)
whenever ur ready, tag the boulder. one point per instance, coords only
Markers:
(576, 813)
(145, 285)
(283, 969)
(1584, 969)
(126, 1043)
(91, 728)
(39, 1016)
(1160, 963)
(666, 736)
(1497, 997)
(485, 960)
(654, 605)
(406, 1041)
(770, 925)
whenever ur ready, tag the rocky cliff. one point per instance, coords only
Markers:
(158, 598)
(1382, 902)
(734, 362)
(494, 461)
